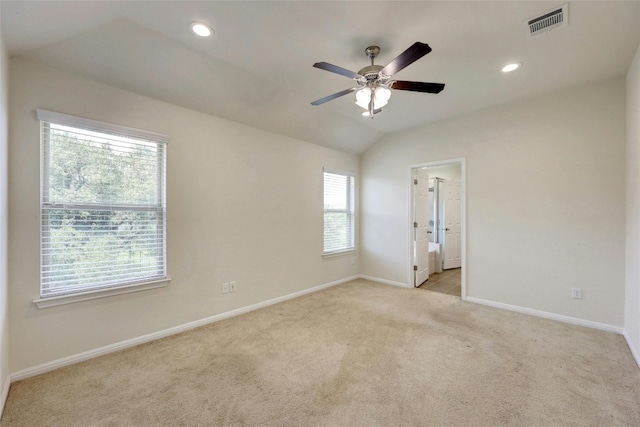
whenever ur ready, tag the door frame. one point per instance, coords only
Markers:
(463, 220)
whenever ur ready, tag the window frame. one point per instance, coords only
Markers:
(350, 211)
(125, 285)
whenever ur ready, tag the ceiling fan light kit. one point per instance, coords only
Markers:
(374, 83)
(380, 96)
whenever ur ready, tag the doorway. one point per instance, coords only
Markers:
(437, 227)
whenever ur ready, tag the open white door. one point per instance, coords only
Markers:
(420, 226)
(453, 225)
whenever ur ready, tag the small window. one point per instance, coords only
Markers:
(339, 212)
(102, 205)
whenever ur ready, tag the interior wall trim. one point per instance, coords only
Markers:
(385, 281)
(5, 394)
(111, 348)
(553, 316)
(462, 162)
(635, 351)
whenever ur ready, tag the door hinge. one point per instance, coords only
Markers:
(415, 181)
(415, 268)
(415, 225)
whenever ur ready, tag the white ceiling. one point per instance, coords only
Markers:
(257, 68)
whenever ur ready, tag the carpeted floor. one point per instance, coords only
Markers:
(358, 354)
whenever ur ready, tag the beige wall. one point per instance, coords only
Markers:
(632, 278)
(4, 188)
(243, 205)
(545, 201)
(545, 210)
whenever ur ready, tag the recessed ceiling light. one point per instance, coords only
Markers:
(203, 30)
(511, 67)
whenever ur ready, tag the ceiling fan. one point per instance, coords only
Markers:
(374, 81)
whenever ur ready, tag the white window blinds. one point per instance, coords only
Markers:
(339, 212)
(102, 205)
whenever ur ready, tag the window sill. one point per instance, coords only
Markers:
(102, 293)
(339, 253)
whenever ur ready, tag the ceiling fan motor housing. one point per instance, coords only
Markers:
(371, 72)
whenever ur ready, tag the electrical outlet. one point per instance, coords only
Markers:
(225, 288)
(232, 286)
(576, 293)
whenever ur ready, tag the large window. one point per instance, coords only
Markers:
(102, 205)
(339, 212)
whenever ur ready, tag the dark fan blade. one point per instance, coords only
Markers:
(408, 57)
(418, 86)
(334, 96)
(338, 70)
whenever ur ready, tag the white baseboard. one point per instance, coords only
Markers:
(5, 394)
(635, 351)
(384, 281)
(81, 357)
(547, 315)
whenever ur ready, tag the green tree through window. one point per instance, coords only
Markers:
(103, 210)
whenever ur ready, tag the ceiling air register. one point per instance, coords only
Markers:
(551, 20)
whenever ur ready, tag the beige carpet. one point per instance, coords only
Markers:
(358, 354)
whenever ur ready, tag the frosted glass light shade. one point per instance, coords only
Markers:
(382, 96)
(363, 97)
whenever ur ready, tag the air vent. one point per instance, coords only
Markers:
(556, 18)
